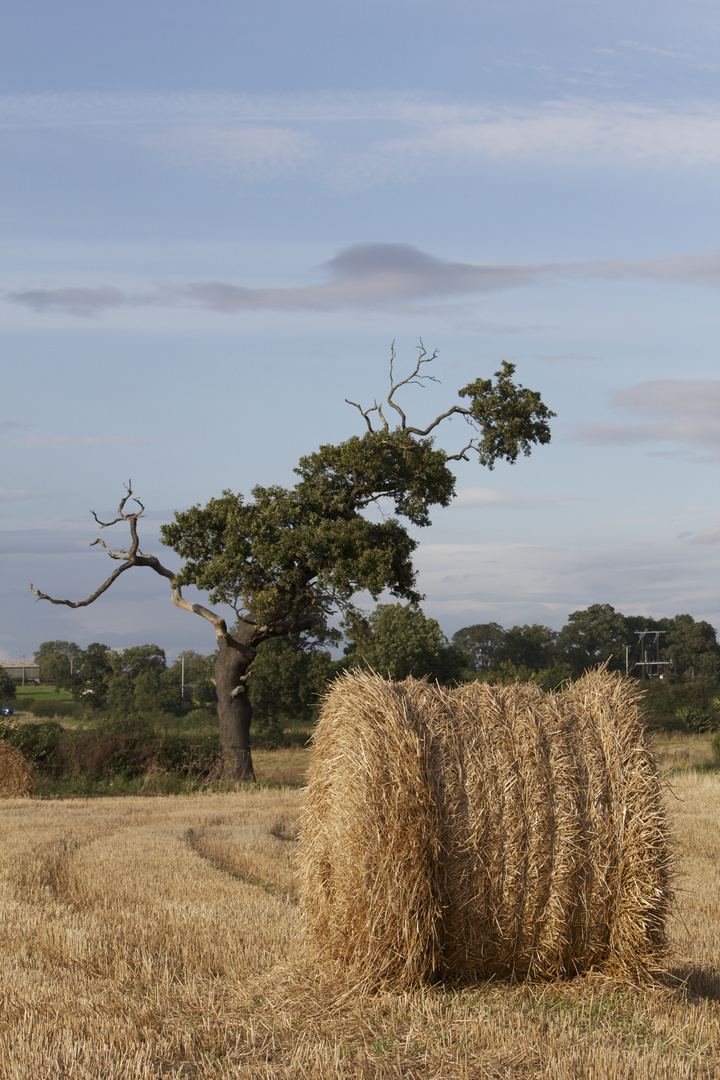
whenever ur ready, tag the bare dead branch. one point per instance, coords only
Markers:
(132, 556)
(122, 516)
(455, 410)
(363, 412)
(414, 379)
(84, 603)
(462, 454)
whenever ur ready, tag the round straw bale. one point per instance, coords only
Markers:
(486, 830)
(16, 776)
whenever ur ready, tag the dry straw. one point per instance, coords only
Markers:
(16, 777)
(483, 831)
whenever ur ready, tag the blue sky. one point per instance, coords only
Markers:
(216, 218)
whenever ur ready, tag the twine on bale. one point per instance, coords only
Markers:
(483, 831)
(16, 776)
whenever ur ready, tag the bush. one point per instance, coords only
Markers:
(668, 705)
(38, 742)
(693, 719)
(52, 707)
(269, 735)
(716, 747)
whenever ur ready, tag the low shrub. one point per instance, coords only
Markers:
(668, 705)
(37, 742)
(53, 707)
(693, 719)
(116, 747)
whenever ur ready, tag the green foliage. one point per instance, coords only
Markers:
(38, 742)
(481, 644)
(693, 647)
(395, 465)
(7, 687)
(92, 671)
(204, 694)
(290, 557)
(591, 637)
(510, 417)
(398, 640)
(693, 719)
(716, 747)
(596, 634)
(287, 678)
(121, 747)
(196, 666)
(50, 707)
(532, 647)
(283, 557)
(56, 660)
(157, 692)
(140, 682)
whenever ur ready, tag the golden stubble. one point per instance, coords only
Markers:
(157, 937)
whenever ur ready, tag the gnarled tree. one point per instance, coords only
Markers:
(290, 558)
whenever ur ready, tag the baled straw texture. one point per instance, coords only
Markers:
(483, 831)
(16, 776)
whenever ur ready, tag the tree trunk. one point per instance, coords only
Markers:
(234, 713)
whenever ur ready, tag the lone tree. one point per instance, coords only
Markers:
(291, 558)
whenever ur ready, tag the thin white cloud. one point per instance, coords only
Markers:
(686, 411)
(560, 131)
(13, 494)
(707, 536)
(466, 583)
(69, 442)
(241, 150)
(572, 358)
(485, 496)
(655, 50)
(370, 276)
(696, 267)
(367, 137)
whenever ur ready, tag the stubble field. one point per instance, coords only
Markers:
(157, 937)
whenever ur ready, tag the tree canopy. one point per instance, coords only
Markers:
(289, 559)
(593, 635)
(55, 660)
(398, 640)
(7, 686)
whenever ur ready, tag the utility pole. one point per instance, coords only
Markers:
(650, 665)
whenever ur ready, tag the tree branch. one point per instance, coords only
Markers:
(414, 378)
(133, 557)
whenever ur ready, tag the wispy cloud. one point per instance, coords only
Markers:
(524, 582)
(69, 442)
(485, 496)
(370, 276)
(685, 411)
(357, 138)
(568, 131)
(707, 536)
(243, 150)
(13, 494)
(572, 358)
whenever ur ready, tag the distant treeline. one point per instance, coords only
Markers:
(397, 640)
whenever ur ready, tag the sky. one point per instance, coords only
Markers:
(215, 220)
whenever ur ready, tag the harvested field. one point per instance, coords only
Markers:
(155, 938)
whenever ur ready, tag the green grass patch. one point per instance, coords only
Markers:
(37, 693)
